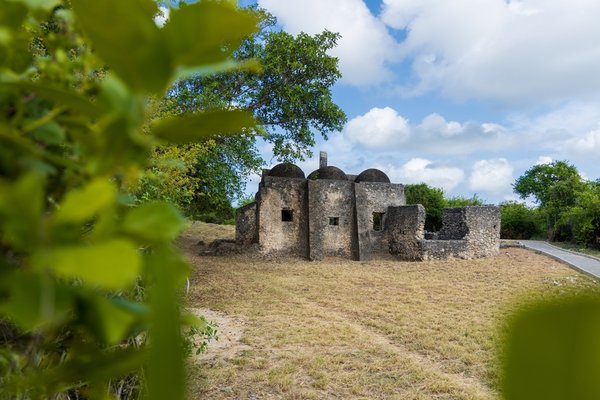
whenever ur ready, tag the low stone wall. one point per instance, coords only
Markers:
(467, 232)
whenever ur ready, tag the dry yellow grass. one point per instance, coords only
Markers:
(363, 330)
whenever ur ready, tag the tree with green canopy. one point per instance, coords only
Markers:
(432, 199)
(555, 187)
(290, 97)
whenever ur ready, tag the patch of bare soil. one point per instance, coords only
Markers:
(340, 329)
(227, 344)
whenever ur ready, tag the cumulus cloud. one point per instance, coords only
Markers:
(419, 170)
(386, 129)
(378, 128)
(365, 48)
(515, 51)
(543, 160)
(588, 143)
(491, 176)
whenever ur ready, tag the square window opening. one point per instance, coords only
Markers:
(378, 221)
(287, 215)
(334, 221)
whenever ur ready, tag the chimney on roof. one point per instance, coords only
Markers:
(322, 159)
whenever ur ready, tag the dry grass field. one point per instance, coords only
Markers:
(338, 329)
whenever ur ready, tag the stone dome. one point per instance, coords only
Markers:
(286, 170)
(330, 172)
(372, 175)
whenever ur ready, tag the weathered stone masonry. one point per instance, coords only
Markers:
(356, 217)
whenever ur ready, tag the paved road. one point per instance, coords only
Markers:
(588, 265)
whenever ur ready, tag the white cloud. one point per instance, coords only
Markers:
(419, 170)
(588, 143)
(378, 128)
(491, 176)
(365, 47)
(386, 129)
(543, 160)
(523, 51)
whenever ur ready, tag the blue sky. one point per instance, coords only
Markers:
(464, 94)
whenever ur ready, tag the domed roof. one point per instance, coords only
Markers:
(330, 172)
(286, 170)
(372, 175)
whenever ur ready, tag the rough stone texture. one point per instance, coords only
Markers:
(405, 229)
(372, 175)
(322, 159)
(286, 170)
(373, 197)
(467, 232)
(454, 224)
(484, 230)
(329, 199)
(246, 232)
(275, 235)
(444, 249)
(329, 172)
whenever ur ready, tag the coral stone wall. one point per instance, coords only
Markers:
(278, 199)
(484, 230)
(246, 232)
(331, 218)
(374, 197)
(405, 228)
(454, 224)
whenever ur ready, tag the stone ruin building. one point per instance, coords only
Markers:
(357, 217)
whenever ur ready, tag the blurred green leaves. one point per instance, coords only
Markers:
(83, 204)
(144, 56)
(111, 265)
(154, 222)
(194, 127)
(553, 351)
(89, 283)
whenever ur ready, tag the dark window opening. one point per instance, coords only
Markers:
(287, 215)
(378, 221)
(334, 221)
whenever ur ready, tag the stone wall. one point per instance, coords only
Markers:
(454, 224)
(331, 219)
(283, 216)
(374, 197)
(484, 230)
(404, 230)
(467, 232)
(246, 232)
(444, 249)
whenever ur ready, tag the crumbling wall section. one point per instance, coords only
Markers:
(283, 216)
(454, 224)
(374, 198)
(404, 230)
(246, 228)
(467, 232)
(331, 218)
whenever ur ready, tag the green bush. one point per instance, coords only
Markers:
(90, 284)
(519, 221)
